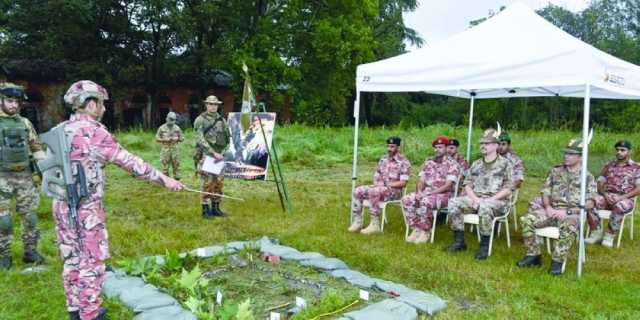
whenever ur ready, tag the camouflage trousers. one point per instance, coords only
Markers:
(618, 210)
(170, 158)
(536, 218)
(211, 184)
(418, 209)
(375, 195)
(18, 185)
(83, 253)
(487, 210)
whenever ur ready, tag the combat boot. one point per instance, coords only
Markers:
(595, 236)
(412, 237)
(556, 268)
(373, 228)
(32, 257)
(483, 251)
(607, 240)
(423, 237)
(530, 261)
(6, 263)
(458, 243)
(356, 225)
(215, 210)
(206, 212)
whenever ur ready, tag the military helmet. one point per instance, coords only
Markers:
(212, 99)
(83, 90)
(11, 90)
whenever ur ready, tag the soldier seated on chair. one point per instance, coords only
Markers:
(390, 178)
(487, 187)
(618, 184)
(505, 149)
(557, 207)
(436, 182)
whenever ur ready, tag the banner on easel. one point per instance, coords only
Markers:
(248, 155)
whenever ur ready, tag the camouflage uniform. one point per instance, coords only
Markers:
(212, 136)
(170, 135)
(518, 166)
(390, 169)
(462, 162)
(16, 181)
(563, 188)
(486, 180)
(418, 207)
(85, 250)
(619, 180)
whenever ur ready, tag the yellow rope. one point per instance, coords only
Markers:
(337, 311)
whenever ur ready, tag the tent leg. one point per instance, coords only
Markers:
(354, 176)
(583, 175)
(469, 133)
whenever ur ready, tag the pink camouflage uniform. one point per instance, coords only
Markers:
(84, 266)
(417, 206)
(619, 180)
(390, 169)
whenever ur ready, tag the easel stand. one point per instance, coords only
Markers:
(276, 170)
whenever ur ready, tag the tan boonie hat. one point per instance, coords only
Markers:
(212, 99)
(574, 147)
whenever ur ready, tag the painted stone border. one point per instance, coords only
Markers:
(150, 303)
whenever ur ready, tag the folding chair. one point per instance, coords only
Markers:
(606, 214)
(553, 233)
(474, 220)
(383, 207)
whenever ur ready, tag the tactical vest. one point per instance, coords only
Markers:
(14, 145)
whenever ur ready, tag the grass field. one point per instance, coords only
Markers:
(145, 220)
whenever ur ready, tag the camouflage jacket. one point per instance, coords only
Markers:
(169, 135)
(518, 165)
(392, 169)
(212, 133)
(563, 187)
(488, 178)
(620, 179)
(462, 162)
(434, 175)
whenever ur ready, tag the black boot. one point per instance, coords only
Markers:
(75, 315)
(556, 268)
(530, 261)
(216, 210)
(32, 257)
(206, 211)
(458, 244)
(483, 251)
(6, 263)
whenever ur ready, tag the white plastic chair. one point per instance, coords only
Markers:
(514, 209)
(383, 207)
(606, 214)
(474, 220)
(553, 233)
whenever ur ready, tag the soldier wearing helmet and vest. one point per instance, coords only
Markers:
(83, 243)
(212, 139)
(18, 144)
(170, 135)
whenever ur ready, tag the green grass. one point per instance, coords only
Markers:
(143, 220)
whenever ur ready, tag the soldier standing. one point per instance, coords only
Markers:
(18, 143)
(487, 185)
(558, 207)
(212, 139)
(390, 178)
(84, 248)
(436, 182)
(618, 184)
(505, 149)
(169, 135)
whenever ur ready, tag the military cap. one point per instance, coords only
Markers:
(623, 144)
(440, 140)
(453, 142)
(504, 137)
(212, 99)
(172, 115)
(83, 90)
(490, 136)
(574, 147)
(11, 90)
(394, 140)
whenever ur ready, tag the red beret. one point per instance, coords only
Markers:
(440, 140)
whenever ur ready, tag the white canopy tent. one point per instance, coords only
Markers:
(515, 53)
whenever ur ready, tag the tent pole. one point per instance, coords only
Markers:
(354, 176)
(583, 174)
(471, 104)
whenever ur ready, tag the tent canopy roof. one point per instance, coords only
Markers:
(515, 53)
